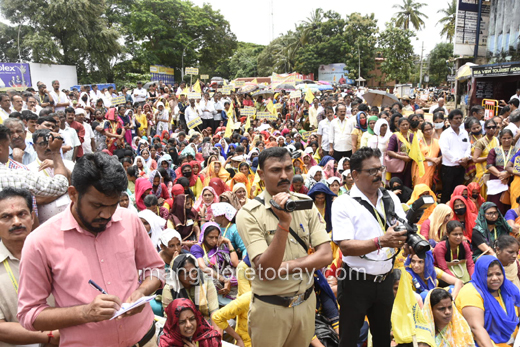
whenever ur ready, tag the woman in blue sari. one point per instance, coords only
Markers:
(488, 304)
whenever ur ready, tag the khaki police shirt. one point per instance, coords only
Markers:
(257, 227)
(8, 295)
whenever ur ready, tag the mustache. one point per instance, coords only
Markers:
(377, 179)
(101, 220)
(18, 227)
(282, 182)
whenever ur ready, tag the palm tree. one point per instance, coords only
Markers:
(409, 14)
(449, 20)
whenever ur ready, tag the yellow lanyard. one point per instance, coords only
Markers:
(225, 231)
(429, 147)
(502, 301)
(341, 129)
(456, 254)
(495, 231)
(381, 224)
(44, 171)
(11, 275)
(506, 159)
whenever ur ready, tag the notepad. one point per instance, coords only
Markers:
(128, 306)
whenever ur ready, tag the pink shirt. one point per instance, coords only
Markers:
(60, 258)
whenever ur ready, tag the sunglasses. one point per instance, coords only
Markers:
(491, 127)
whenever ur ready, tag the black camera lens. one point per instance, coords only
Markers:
(419, 245)
(290, 205)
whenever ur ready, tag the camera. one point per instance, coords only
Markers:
(293, 205)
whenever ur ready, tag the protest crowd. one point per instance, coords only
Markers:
(178, 215)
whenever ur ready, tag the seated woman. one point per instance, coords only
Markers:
(348, 181)
(297, 185)
(398, 188)
(159, 189)
(322, 197)
(425, 276)
(512, 217)
(143, 187)
(230, 198)
(203, 204)
(434, 228)
(170, 242)
(237, 309)
(463, 191)
(474, 194)
(445, 321)
(419, 191)
(185, 280)
(240, 191)
(453, 255)
(314, 176)
(488, 304)
(224, 215)
(334, 184)
(217, 260)
(195, 183)
(186, 327)
(184, 218)
(506, 249)
(462, 214)
(490, 226)
(216, 170)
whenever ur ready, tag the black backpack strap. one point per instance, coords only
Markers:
(291, 231)
(388, 204)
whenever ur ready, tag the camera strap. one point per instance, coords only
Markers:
(388, 205)
(291, 231)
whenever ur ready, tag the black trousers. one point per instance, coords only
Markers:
(338, 155)
(451, 176)
(206, 123)
(360, 298)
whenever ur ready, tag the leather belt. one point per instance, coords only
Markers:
(362, 276)
(286, 301)
(147, 337)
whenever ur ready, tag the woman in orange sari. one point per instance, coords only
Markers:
(430, 149)
(216, 169)
(241, 178)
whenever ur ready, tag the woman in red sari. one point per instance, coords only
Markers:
(112, 129)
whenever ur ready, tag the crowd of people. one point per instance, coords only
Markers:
(190, 202)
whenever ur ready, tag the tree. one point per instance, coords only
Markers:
(438, 66)
(409, 14)
(359, 41)
(9, 43)
(397, 51)
(448, 21)
(244, 62)
(73, 32)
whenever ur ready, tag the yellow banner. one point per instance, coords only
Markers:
(266, 115)
(226, 90)
(247, 111)
(194, 96)
(239, 84)
(305, 135)
(192, 71)
(297, 94)
(204, 77)
(194, 123)
(118, 100)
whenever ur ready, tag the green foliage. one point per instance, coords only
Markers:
(438, 67)
(9, 43)
(397, 49)
(360, 33)
(409, 14)
(244, 62)
(448, 21)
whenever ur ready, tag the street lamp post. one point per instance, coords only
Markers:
(183, 54)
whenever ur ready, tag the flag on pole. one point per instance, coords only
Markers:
(196, 87)
(270, 107)
(229, 127)
(248, 123)
(309, 96)
(254, 81)
(416, 154)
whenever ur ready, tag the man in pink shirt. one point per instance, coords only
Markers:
(91, 240)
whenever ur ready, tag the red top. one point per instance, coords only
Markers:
(439, 253)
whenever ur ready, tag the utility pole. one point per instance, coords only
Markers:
(359, 64)
(271, 5)
(420, 79)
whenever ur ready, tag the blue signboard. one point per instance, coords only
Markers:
(14, 75)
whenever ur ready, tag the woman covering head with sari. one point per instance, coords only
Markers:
(360, 128)
(314, 176)
(323, 196)
(459, 205)
(431, 150)
(464, 191)
(474, 194)
(159, 189)
(488, 304)
(184, 218)
(370, 131)
(204, 202)
(154, 225)
(142, 169)
(400, 190)
(419, 191)
(445, 321)
(489, 227)
(434, 228)
(241, 178)
(482, 148)
(382, 135)
(143, 187)
(216, 260)
(216, 170)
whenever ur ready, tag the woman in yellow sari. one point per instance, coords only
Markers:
(245, 168)
(513, 167)
(474, 129)
(480, 153)
(216, 169)
(430, 149)
(419, 191)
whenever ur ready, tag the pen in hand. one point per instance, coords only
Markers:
(95, 286)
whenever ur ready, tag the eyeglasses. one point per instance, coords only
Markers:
(374, 171)
(42, 144)
(491, 127)
(492, 214)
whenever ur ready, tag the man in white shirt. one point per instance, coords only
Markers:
(340, 135)
(456, 153)
(191, 111)
(140, 94)
(313, 113)
(49, 206)
(89, 142)
(95, 94)
(362, 224)
(5, 106)
(514, 126)
(61, 100)
(324, 130)
(517, 95)
(32, 105)
(439, 104)
(71, 142)
(20, 149)
(207, 107)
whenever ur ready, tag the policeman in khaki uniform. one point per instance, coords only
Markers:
(283, 305)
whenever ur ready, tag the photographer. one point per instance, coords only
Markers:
(283, 307)
(363, 229)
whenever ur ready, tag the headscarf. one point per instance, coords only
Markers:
(340, 164)
(358, 123)
(193, 178)
(457, 332)
(437, 222)
(141, 185)
(325, 160)
(194, 163)
(146, 169)
(254, 164)
(169, 234)
(380, 141)
(177, 189)
(224, 209)
(475, 186)
(312, 162)
(204, 336)
(222, 174)
(179, 216)
(159, 188)
(406, 193)
(200, 202)
(238, 186)
(430, 275)
(322, 188)
(329, 170)
(469, 218)
(241, 178)
(232, 199)
(218, 185)
(188, 150)
(310, 182)
(163, 134)
(470, 204)
(370, 119)
(417, 191)
(147, 163)
(499, 324)
(481, 226)
(157, 225)
(222, 151)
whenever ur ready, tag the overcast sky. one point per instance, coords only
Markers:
(250, 21)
